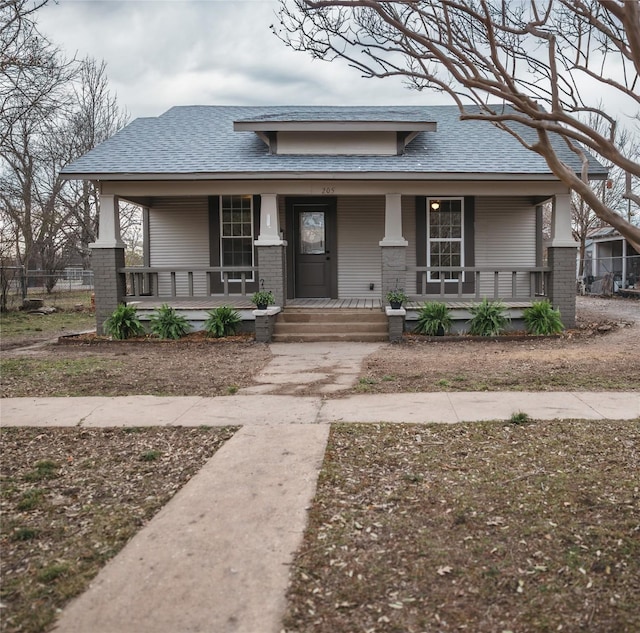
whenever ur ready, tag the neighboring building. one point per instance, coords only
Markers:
(611, 264)
(329, 206)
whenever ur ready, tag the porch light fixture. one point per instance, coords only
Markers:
(435, 205)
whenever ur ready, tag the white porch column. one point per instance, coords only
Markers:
(269, 222)
(393, 221)
(624, 263)
(561, 234)
(108, 223)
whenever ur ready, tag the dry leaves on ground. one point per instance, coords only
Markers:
(72, 497)
(482, 527)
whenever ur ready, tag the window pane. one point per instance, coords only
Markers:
(312, 238)
(445, 237)
(236, 233)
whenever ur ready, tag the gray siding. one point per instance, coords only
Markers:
(179, 237)
(360, 229)
(505, 237)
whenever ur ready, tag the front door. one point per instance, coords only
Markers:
(314, 252)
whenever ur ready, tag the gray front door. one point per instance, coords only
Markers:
(314, 250)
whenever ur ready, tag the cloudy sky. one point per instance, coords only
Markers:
(161, 53)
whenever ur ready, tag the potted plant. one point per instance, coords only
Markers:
(396, 298)
(434, 319)
(262, 299)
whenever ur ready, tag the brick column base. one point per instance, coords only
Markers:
(394, 268)
(109, 286)
(272, 270)
(265, 322)
(396, 323)
(562, 282)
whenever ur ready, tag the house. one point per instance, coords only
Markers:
(329, 208)
(611, 264)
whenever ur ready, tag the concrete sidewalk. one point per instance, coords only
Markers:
(444, 407)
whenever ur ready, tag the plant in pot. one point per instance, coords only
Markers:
(434, 319)
(262, 299)
(396, 298)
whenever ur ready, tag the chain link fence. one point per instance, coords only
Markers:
(64, 289)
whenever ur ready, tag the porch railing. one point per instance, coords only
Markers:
(144, 281)
(505, 284)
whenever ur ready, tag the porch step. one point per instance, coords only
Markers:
(309, 325)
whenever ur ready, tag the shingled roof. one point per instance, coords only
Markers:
(200, 142)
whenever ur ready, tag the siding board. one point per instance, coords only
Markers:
(505, 237)
(360, 229)
(179, 237)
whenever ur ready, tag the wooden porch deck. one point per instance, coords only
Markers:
(240, 302)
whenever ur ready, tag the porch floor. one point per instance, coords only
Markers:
(244, 303)
(240, 302)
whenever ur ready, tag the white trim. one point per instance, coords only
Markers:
(333, 126)
(238, 237)
(315, 175)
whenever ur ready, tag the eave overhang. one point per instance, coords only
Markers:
(305, 175)
(334, 126)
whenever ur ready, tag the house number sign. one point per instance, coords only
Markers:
(327, 190)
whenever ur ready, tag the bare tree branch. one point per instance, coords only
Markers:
(534, 57)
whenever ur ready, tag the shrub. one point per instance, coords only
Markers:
(434, 318)
(489, 318)
(167, 323)
(541, 319)
(123, 323)
(223, 321)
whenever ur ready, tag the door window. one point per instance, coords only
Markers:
(312, 233)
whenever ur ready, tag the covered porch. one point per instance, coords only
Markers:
(384, 258)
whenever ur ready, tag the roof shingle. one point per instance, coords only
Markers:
(201, 140)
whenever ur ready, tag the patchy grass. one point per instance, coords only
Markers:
(476, 527)
(65, 376)
(70, 499)
(200, 367)
(17, 326)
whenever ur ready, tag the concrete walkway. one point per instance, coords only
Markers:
(216, 557)
(329, 367)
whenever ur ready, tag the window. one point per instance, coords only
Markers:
(236, 233)
(445, 241)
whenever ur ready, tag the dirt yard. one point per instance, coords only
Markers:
(601, 354)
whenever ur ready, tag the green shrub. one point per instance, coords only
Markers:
(165, 322)
(223, 321)
(541, 319)
(123, 323)
(434, 318)
(489, 318)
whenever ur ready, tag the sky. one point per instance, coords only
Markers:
(161, 53)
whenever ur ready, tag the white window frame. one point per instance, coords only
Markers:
(460, 240)
(232, 237)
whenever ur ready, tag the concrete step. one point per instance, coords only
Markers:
(300, 315)
(326, 327)
(300, 324)
(357, 337)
